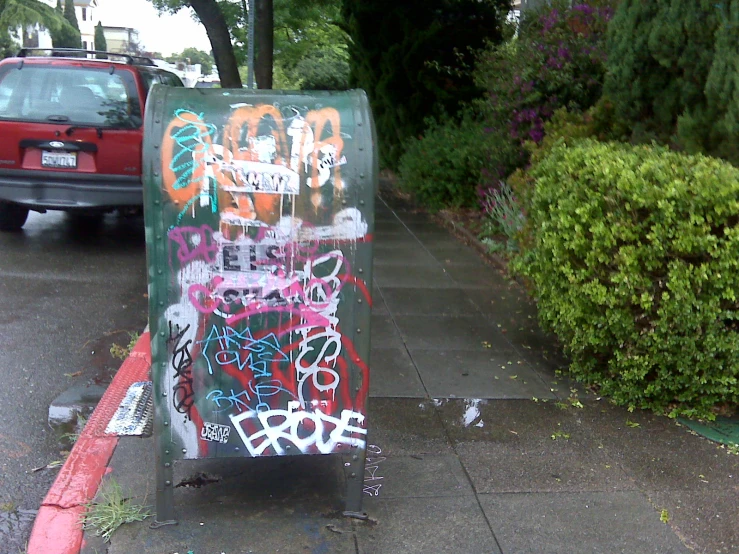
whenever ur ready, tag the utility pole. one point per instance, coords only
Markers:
(249, 18)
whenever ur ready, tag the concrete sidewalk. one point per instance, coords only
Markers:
(476, 446)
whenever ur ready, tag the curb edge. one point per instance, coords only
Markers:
(57, 528)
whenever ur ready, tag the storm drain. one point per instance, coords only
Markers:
(135, 415)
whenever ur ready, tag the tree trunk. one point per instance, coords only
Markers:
(265, 43)
(220, 39)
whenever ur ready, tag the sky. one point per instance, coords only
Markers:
(168, 34)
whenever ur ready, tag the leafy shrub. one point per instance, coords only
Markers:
(634, 262)
(412, 58)
(443, 168)
(323, 71)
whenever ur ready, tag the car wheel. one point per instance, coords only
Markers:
(12, 216)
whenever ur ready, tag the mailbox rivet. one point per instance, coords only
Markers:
(166, 452)
(355, 457)
(361, 202)
(161, 303)
(359, 123)
(353, 475)
(288, 447)
(167, 464)
(156, 174)
(359, 300)
(156, 202)
(359, 330)
(158, 120)
(166, 423)
(157, 146)
(236, 449)
(184, 450)
(161, 333)
(164, 393)
(361, 175)
(343, 202)
(168, 483)
(360, 270)
(361, 148)
(358, 389)
(159, 271)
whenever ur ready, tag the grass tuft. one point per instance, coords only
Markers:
(122, 352)
(110, 510)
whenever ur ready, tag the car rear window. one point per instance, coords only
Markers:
(70, 95)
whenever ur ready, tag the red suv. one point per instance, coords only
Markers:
(71, 131)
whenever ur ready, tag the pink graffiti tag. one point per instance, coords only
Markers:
(193, 243)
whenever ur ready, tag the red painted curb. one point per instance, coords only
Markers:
(57, 528)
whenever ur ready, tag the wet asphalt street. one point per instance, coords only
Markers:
(68, 292)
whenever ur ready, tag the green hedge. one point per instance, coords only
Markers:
(444, 167)
(635, 262)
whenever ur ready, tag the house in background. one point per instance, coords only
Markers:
(85, 10)
(87, 20)
(121, 39)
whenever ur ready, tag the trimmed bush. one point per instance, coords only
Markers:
(443, 168)
(635, 266)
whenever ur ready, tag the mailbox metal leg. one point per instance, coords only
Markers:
(354, 469)
(165, 494)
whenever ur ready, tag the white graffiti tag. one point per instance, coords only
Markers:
(321, 345)
(281, 426)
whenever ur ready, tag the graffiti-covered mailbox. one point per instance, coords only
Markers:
(259, 218)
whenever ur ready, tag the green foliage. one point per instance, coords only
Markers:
(323, 71)
(100, 42)
(123, 352)
(659, 56)
(194, 56)
(70, 14)
(110, 510)
(67, 36)
(26, 13)
(557, 61)
(634, 262)
(714, 127)
(8, 46)
(414, 59)
(444, 167)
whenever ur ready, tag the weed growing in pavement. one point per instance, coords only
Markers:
(122, 352)
(72, 437)
(110, 510)
(8, 506)
(504, 214)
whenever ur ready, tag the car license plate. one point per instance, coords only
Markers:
(63, 160)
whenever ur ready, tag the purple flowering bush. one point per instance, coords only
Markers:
(557, 61)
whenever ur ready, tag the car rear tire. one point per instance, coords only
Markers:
(12, 216)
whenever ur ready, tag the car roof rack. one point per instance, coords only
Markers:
(76, 52)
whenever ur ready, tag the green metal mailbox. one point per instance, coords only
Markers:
(259, 209)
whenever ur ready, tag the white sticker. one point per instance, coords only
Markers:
(215, 433)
